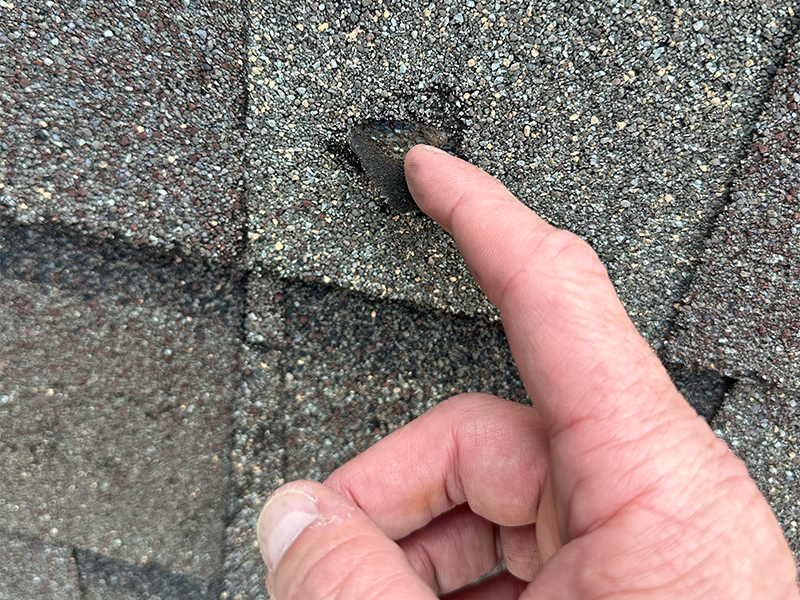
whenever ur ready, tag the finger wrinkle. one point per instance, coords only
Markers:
(600, 521)
(453, 482)
(565, 426)
(476, 207)
(608, 404)
(554, 259)
(384, 587)
(433, 577)
(498, 543)
(618, 487)
(557, 258)
(577, 251)
(511, 284)
(374, 562)
(540, 268)
(341, 485)
(336, 577)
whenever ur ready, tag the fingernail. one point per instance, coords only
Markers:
(435, 149)
(285, 515)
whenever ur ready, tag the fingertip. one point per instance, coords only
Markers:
(419, 166)
(418, 156)
(435, 178)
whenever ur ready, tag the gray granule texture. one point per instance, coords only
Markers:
(761, 424)
(619, 122)
(123, 119)
(116, 382)
(102, 578)
(742, 313)
(34, 569)
(264, 326)
(704, 390)
(257, 460)
(357, 370)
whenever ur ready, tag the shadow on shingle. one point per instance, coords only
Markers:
(102, 577)
(704, 390)
(53, 254)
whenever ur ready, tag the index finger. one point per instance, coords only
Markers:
(577, 351)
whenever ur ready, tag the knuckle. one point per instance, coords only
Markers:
(566, 252)
(469, 198)
(563, 263)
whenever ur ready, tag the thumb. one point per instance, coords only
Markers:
(317, 545)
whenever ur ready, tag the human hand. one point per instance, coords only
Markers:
(612, 487)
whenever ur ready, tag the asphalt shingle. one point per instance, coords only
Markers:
(620, 122)
(761, 424)
(742, 314)
(103, 578)
(341, 373)
(123, 119)
(116, 381)
(34, 570)
(257, 465)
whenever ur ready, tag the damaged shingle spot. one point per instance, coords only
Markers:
(381, 148)
(705, 390)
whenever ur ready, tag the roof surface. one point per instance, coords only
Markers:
(203, 295)
(742, 313)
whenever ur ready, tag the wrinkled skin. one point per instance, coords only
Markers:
(612, 487)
